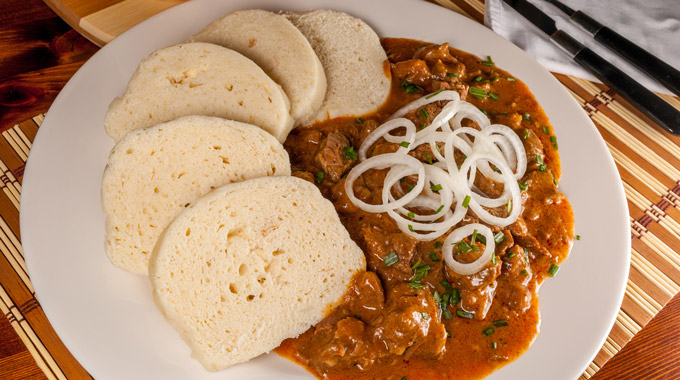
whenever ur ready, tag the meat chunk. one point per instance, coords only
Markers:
(414, 71)
(513, 292)
(411, 323)
(331, 156)
(379, 243)
(433, 53)
(477, 291)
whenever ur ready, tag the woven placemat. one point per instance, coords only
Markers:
(647, 159)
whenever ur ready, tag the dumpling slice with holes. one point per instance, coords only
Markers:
(357, 71)
(251, 264)
(279, 48)
(153, 174)
(199, 79)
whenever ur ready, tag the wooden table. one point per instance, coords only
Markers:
(39, 53)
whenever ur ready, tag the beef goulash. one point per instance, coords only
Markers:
(450, 189)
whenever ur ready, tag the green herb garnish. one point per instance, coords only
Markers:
(390, 259)
(319, 176)
(553, 270)
(465, 314)
(350, 154)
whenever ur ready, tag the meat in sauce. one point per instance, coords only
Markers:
(409, 315)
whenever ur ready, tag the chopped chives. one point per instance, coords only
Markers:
(527, 116)
(428, 159)
(523, 185)
(319, 176)
(425, 316)
(546, 130)
(493, 259)
(483, 111)
(478, 78)
(359, 121)
(481, 239)
(447, 315)
(478, 92)
(410, 88)
(437, 298)
(500, 322)
(411, 214)
(526, 134)
(493, 79)
(433, 256)
(493, 95)
(350, 154)
(410, 228)
(524, 272)
(409, 187)
(553, 175)
(510, 79)
(494, 346)
(553, 139)
(423, 113)
(465, 314)
(451, 74)
(436, 187)
(466, 201)
(464, 247)
(439, 209)
(474, 237)
(553, 270)
(488, 331)
(417, 264)
(448, 334)
(432, 95)
(438, 244)
(405, 144)
(390, 259)
(446, 285)
(420, 273)
(499, 237)
(416, 285)
(510, 255)
(488, 61)
(578, 237)
(455, 297)
(509, 205)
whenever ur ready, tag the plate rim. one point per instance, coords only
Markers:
(29, 172)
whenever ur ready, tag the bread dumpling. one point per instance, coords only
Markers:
(356, 66)
(251, 264)
(279, 48)
(199, 79)
(153, 174)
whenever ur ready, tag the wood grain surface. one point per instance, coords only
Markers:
(39, 53)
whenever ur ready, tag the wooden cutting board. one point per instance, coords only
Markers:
(102, 20)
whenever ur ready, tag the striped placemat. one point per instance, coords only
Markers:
(647, 158)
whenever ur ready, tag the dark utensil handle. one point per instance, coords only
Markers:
(643, 99)
(641, 58)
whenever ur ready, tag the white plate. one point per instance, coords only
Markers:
(107, 318)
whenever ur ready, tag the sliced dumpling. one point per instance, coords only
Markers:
(154, 173)
(279, 48)
(356, 66)
(251, 264)
(199, 79)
